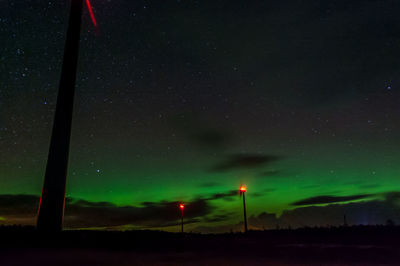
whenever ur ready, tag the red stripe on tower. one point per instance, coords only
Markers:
(91, 13)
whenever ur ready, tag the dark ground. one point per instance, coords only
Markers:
(361, 245)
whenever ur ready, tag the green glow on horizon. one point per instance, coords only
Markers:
(121, 183)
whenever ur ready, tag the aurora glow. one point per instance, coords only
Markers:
(179, 101)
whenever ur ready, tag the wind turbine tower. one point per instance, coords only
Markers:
(52, 200)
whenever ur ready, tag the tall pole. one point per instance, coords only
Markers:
(52, 200)
(243, 190)
(244, 213)
(181, 206)
(182, 222)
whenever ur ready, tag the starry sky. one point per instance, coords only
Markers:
(184, 101)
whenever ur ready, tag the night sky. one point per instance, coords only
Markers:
(187, 100)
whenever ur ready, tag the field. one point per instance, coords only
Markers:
(345, 245)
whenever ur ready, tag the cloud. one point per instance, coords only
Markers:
(364, 212)
(392, 197)
(225, 195)
(244, 161)
(21, 209)
(79, 213)
(148, 214)
(371, 212)
(217, 218)
(329, 199)
(17, 205)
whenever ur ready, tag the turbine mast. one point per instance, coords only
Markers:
(52, 200)
(243, 190)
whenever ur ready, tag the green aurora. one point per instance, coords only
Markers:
(168, 93)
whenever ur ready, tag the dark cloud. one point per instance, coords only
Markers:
(216, 218)
(81, 213)
(85, 214)
(84, 203)
(244, 161)
(149, 214)
(364, 212)
(392, 197)
(329, 199)
(17, 205)
(224, 195)
(371, 212)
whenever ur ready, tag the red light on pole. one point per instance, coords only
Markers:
(181, 206)
(242, 190)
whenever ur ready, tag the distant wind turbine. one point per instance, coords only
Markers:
(242, 191)
(182, 206)
(52, 200)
